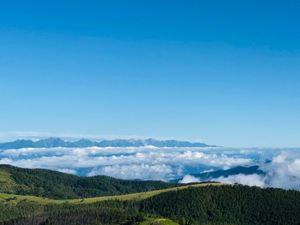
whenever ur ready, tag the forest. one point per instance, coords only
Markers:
(57, 185)
(194, 204)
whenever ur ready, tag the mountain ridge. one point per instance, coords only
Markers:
(84, 143)
(211, 175)
(58, 185)
(195, 204)
(245, 170)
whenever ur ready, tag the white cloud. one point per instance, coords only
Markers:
(284, 171)
(189, 179)
(68, 171)
(127, 163)
(135, 171)
(250, 180)
(93, 157)
(294, 168)
(162, 163)
(6, 161)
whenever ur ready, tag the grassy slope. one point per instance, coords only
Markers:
(158, 221)
(7, 184)
(14, 199)
(209, 204)
(20, 206)
(56, 185)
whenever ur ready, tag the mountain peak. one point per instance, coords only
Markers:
(53, 142)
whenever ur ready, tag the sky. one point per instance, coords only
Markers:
(221, 72)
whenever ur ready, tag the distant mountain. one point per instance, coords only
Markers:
(82, 143)
(230, 172)
(206, 176)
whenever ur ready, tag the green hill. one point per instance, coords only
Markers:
(56, 185)
(227, 204)
(195, 204)
(15, 199)
(21, 209)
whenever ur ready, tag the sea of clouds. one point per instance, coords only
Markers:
(281, 166)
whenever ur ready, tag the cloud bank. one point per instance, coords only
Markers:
(282, 171)
(281, 167)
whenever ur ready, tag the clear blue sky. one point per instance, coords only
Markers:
(225, 72)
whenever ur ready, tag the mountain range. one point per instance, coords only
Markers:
(245, 170)
(211, 175)
(83, 143)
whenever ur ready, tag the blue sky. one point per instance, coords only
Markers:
(223, 72)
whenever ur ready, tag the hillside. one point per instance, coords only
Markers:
(194, 205)
(56, 185)
(23, 202)
(13, 198)
(226, 204)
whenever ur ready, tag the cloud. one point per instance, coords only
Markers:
(250, 180)
(189, 179)
(68, 171)
(6, 161)
(284, 170)
(135, 171)
(94, 156)
(127, 163)
(281, 170)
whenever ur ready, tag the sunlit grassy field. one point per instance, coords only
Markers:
(14, 199)
(158, 221)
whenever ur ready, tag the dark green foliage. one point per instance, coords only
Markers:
(211, 205)
(207, 205)
(103, 213)
(9, 212)
(227, 205)
(51, 184)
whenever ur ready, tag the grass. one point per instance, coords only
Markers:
(14, 199)
(6, 182)
(158, 221)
